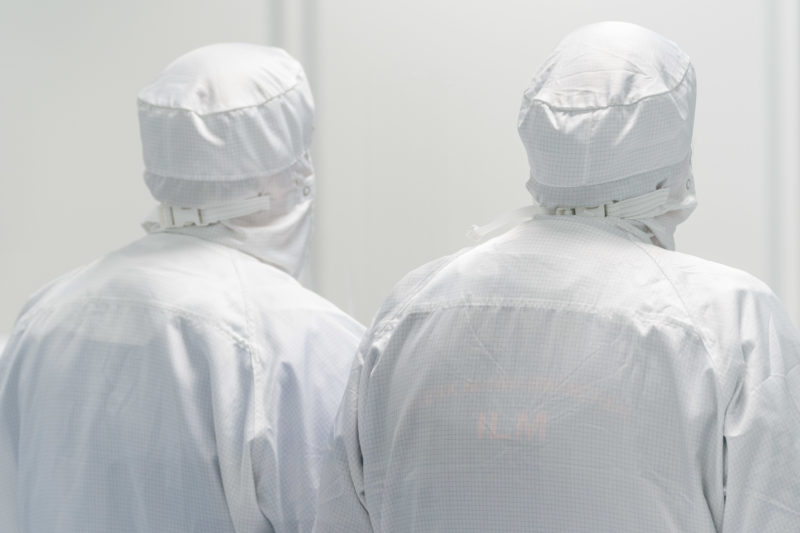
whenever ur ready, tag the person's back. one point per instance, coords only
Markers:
(186, 382)
(572, 374)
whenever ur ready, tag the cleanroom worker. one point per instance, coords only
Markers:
(576, 373)
(186, 382)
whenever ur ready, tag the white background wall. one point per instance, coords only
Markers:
(416, 137)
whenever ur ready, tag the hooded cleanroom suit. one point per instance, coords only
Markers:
(186, 382)
(574, 373)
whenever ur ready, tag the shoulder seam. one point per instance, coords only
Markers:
(400, 309)
(178, 311)
(690, 317)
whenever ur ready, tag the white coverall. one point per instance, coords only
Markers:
(186, 382)
(573, 373)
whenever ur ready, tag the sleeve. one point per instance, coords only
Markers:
(762, 429)
(9, 433)
(300, 404)
(341, 504)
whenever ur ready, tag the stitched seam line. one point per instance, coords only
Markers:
(609, 106)
(231, 177)
(548, 305)
(177, 311)
(212, 113)
(380, 329)
(697, 330)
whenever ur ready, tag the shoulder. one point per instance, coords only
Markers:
(42, 297)
(172, 273)
(713, 293)
(737, 314)
(696, 270)
(414, 286)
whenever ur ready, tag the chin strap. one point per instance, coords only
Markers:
(645, 206)
(178, 217)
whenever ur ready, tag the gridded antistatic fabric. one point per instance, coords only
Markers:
(280, 236)
(174, 385)
(564, 377)
(218, 122)
(608, 116)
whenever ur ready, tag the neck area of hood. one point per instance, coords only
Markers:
(284, 243)
(279, 236)
(657, 222)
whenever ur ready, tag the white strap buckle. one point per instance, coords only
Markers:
(597, 211)
(650, 204)
(647, 205)
(178, 217)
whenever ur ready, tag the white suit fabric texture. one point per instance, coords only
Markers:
(230, 122)
(572, 374)
(177, 384)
